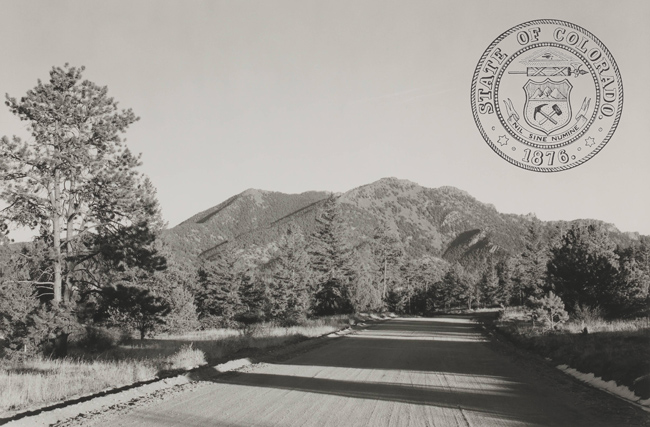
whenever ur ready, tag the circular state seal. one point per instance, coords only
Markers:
(547, 95)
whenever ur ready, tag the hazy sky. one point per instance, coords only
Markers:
(302, 95)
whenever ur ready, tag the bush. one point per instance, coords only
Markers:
(250, 330)
(100, 339)
(182, 316)
(294, 319)
(43, 332)
(249, 322)
(187, 358)
(549, 311)
(132, 307)
(587, 314)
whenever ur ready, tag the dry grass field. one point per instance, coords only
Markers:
(41, 381)
(616, 350)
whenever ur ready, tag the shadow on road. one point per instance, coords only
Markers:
(493, 402)
(441, 363)
(435, 345)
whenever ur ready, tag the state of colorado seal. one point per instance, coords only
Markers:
(547, 95)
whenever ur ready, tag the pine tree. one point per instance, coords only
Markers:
(330, 259)
(218, 297)
(365, 290)
(427, 275)
(530, 273)
(289, 298)
(388, 253)
(505, 271)
(470, 292)
(173, 285)
(489, 285)
(132, 307)
(254, 297)
(18, 299)
(584, 266)
(632, 288)
(549, 311)
(75, 181)
(455, 287)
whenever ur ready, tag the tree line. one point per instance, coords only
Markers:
(322, 274)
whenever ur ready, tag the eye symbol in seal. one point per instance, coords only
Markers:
(547, 95)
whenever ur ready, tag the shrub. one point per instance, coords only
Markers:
(249, 322)
(100, 339)
(187, 358)
(549, 311)
(182, 316)
(587, 314)
(250, 330)
(41, 333)
(294, 319)
(132, 307)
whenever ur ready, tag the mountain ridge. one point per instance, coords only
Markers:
(444, 222)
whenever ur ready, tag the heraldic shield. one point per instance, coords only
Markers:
(547, 106)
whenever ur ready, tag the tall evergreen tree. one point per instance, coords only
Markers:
(632, 289)
(75, 181)
(289, 299)
(454, 288)
(470, 292)
(365, 290)
(18, 298)
(218, 296)
(530, 273)
(583, 267)
(505, 272)
(254, 296)
(489, 285)
(175, 285)
(331, 262)
(132, 307)
(388, 253)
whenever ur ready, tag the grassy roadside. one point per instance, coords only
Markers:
(38, 382)
(617, 350)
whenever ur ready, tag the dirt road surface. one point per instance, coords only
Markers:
(403, 372)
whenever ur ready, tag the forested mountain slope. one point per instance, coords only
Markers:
(440, 222)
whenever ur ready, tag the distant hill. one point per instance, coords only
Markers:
(444, 222)
(440, 222)
(251, 211)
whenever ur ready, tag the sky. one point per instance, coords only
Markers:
(303, 95)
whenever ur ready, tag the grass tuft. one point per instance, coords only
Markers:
(187, 358)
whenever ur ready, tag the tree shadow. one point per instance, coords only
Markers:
(409, 345)
(438, 363)
(508, 402)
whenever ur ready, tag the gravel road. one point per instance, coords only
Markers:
(403, 372)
